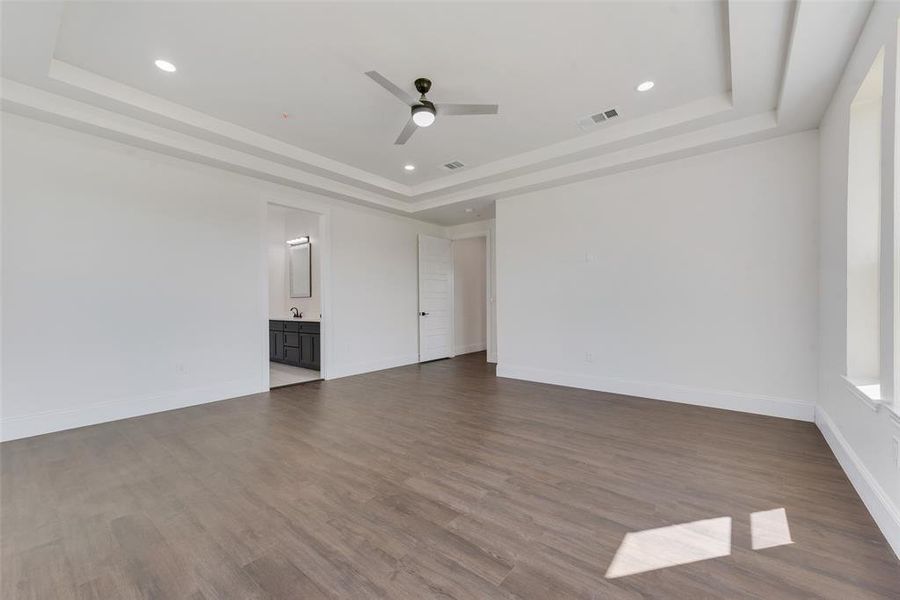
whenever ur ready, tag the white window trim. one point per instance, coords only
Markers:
(894, 413)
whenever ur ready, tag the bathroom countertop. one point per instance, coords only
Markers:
(292, 318)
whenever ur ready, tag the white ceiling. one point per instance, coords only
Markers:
(725, 73)
(546, 65)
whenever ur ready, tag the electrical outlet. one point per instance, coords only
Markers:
(179, 368)
(588, 357)
(895, 446)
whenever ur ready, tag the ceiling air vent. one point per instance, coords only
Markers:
(453, 166)
(590, 122)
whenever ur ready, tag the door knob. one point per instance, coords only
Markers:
(424, 314)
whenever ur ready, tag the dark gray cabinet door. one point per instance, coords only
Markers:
(276, 345)
(317, 354)
(310, 353)
(292, 356)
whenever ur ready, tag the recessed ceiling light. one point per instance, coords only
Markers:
(643, 87)
(164, 65)
(409, 167)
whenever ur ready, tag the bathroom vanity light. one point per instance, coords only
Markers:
(298, 241)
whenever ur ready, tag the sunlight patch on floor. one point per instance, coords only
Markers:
(685, 543)
(663, 547)
(769, 528)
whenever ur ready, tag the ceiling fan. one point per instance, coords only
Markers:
(423, 111)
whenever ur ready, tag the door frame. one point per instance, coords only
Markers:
(325, 336)
(489, 293)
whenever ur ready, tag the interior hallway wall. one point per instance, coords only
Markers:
(469, 307)
(485, 229)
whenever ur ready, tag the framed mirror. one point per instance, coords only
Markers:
(300, 266)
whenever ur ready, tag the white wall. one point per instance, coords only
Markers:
(859, 435)
(131, 284)
(469, 307)
(691, 281)
(120, 264)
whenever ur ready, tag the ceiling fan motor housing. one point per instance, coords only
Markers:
(423, 85)
(425, 105)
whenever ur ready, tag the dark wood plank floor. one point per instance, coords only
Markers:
(435, 480)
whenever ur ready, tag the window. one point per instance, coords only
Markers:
(864, 190)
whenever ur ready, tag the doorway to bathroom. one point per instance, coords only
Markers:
(294, 258)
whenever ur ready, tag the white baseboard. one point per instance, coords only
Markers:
(468, 349)
(885, 512)
(12, 428)
(373, 365)
(788, 408)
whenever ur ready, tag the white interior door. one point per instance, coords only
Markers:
(435, 297)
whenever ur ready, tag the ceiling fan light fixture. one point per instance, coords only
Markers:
(423, 111)
(423, 114)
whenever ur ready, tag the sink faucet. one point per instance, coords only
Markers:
(297, 313)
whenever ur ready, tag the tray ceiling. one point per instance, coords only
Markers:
(277, 90)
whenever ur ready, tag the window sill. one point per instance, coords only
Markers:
(870, 395)
(867, 393)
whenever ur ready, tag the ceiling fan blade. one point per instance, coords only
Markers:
(391, 87)
(468, 109)
(408, 130)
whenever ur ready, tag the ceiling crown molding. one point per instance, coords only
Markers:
(818, 39)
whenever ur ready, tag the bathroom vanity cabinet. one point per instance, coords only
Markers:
(296, 343)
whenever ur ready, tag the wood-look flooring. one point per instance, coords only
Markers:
(429, 481)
